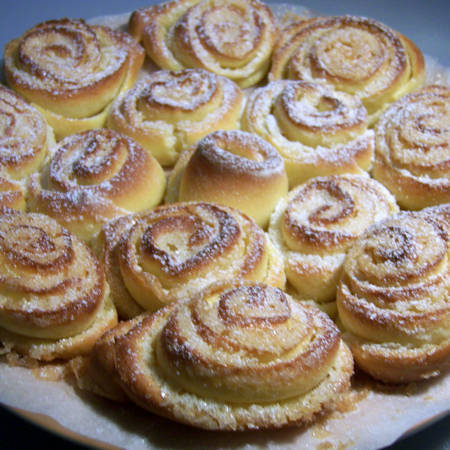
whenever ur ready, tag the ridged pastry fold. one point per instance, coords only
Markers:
(167, 112)
(317, 130)
(72, 71)
(54, 299)
(227, 37)
(412, 148)
(233, 168)
(357, 55)
(236, 356)
(93, 177)
(393, 297)
(173, 251)
(315, 225)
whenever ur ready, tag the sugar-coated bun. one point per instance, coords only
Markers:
(412, 148)
(317, 130)
(286, 359)
(167, 112)
(233, 168)
(93, 177)
(54, 300)
(354, 54)
(25, 141)
(171, 252)
(232, 38)
(71, 71)
(318, 221)
(393, 298)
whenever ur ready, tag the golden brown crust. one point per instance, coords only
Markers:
(316, 224)
(354, 54)
(172, 251)
(230, 38)
(93, 177)
(246, 357)
(393, 298)
(72, 71)
(317, 130)
(233, 168)
(54, 300)
(167, 111)
(412, 148)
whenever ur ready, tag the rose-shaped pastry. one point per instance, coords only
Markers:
(93, 177)
(168, 111)
(54, 300)
(354, 54)
(173, 251)
(232, 38)
(233, 168)
(412, 148)
(72, 71)
(315, 225)
(317, 130)
(234, 357)
(393, 298)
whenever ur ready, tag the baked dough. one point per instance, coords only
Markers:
(393, 298)
(234, 357)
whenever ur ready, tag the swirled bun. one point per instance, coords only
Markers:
(167, 112)
(232, 38)
(173, 251)
(93, 177)
(233, 168)
(25, 140)
(412, 148)
(286, 359)
(72, 71)
(317, 130)
(393, 298)
(315, 225)
(356, 55)
(54, 300)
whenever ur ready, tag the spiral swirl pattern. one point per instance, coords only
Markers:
(168, 111)
(52, 288)
(72, 71)
(227, 37)
(317, 223)
(212, 359)
(233, 168)
(393, 297)
(93, 177)
(412, 148)
(172, 251)
(317, 130)
(354, 54)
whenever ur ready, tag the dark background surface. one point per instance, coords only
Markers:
(424, 22)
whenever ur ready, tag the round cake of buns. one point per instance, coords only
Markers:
(232, 38)
(54, 299)
(71, 71)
